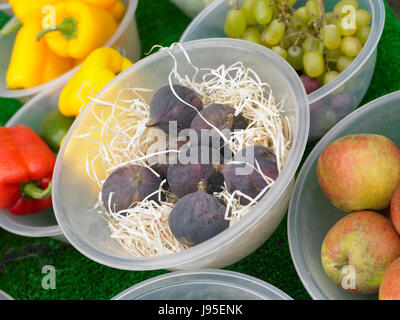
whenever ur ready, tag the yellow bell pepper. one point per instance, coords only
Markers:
(98, 69)
(32, 62)
(104, 4)
(115, 7)
(29, 10)
(27, 58)
(80, 28)
(117, 10)
(55, 66)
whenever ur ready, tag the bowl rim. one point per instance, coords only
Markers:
(5, 222)
(377, 25)
(308, 281)
(174, 260)
(5, 6)
(62, 79)
(5, 295)
(181, 278)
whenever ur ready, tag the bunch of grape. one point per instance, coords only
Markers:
(318, 44)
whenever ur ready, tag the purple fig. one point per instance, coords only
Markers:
(195, 164)
(222, 117)
(242, 174)
(129, 185)
(197, 217)
(166, 107)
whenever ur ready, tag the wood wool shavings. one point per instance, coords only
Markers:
(143, 230)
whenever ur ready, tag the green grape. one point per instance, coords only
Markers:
(331, 36)
(302, 14)
(295, 57)
(296, 23)
(339, 6)
(279, 50)
(262, 11)
(313, 9)
(343, 62)
(314, 64)
(289, 38)
(363, 18)
(345, 27)
(274, 32)
(289, 2)
(252, 34)
(235, 23)
(331, 18)
(312, 44)
(248, 7)
(351, 46)
(329, 76)
(363, 33)
(333, 54)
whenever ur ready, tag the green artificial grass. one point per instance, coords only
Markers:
(77, 277)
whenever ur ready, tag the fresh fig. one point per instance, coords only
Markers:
(166, 107)
(220, 116)
(129, 185)
(197, 217)
(194, 165)
(242, 175)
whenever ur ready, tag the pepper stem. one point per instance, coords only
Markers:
(68, 29)
(31, 190)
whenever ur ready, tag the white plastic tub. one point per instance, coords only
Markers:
(191, 7)
(206, 284)
(311, 215)
(5, 296)
(6, 8)
(125, 38)
(332, 102)
(74, 194)
(42, 224)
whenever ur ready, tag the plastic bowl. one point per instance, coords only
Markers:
(6, 8)
(75, 194)
(332, 102)
(5, 296)
(42, 224)
(191, 7)
(206, 284)
(126, 39)
(311, 215)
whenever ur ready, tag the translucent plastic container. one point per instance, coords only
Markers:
(311, 215)
(126, 39)
(75, 194)
(332, 102)
(6, 8)
(206, 284)
(191, 7)
(42, 224)
(5, 296)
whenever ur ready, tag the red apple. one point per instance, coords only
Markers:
(390, 285)
(362, 245)
(395, 209)
(359, 172)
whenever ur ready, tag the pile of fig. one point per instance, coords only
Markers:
(202, 166)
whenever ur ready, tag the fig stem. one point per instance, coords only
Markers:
(202, 186)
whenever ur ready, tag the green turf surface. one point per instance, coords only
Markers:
(22, 259)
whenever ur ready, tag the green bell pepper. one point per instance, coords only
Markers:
(53, 128)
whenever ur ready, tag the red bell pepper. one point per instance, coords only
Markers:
(26, 169)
